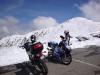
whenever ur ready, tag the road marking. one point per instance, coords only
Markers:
(86, 63)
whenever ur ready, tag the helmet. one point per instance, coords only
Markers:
(33, 38)
(66, 31)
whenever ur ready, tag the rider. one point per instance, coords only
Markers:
(67, 36)
(28, 47)
(28, 44)
(65, 41)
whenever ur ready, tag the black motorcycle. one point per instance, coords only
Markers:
(36, 64)
(65, 55)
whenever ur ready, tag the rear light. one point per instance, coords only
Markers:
(37, 46)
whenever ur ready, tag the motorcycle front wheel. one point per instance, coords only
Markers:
(66, 59)
(42, 67)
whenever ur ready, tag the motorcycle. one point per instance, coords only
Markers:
(36, 63)
(65, 55)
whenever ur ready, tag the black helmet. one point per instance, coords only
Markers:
(33, 38)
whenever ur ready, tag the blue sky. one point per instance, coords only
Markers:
(29, 9)
(22, 16)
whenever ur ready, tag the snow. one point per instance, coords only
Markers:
(11, 54)
(83, 44)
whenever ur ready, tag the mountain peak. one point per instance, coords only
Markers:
(80, 19)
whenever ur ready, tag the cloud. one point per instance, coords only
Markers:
(8, 20)
(43, 22)
(9, 25)
(91, 9)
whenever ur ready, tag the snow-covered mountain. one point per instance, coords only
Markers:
(78, 27)
(84, 32)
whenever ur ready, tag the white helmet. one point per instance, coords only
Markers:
(66, 31)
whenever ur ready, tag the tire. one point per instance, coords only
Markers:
(42, 66)
(66, 59)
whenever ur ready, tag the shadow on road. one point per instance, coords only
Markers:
(21, 72)
(19, 69)
(26, 70)
(6, 69)
(97, 72)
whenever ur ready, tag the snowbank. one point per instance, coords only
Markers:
(12, 55)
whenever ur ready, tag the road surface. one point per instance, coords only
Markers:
(86, 61)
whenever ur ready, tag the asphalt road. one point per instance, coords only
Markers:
(85, 62)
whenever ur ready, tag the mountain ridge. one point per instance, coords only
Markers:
(77, 27)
